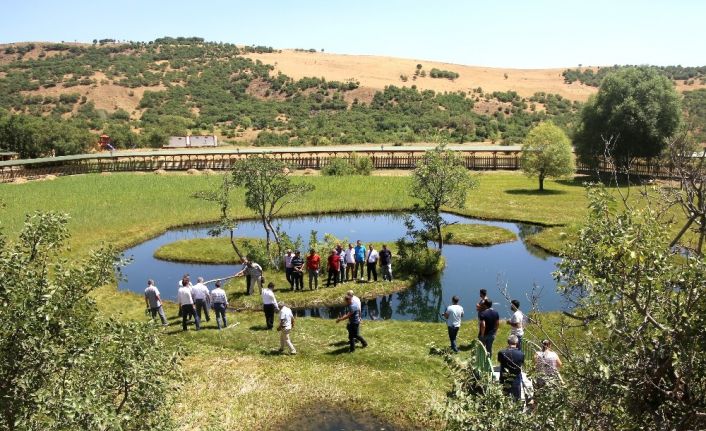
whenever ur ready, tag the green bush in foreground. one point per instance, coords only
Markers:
(61, 366)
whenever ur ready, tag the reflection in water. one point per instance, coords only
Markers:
(526, 230)
(422, 303)
(386, 307)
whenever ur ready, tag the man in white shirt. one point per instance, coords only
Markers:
(517, 321)
(185, 281)
(289, 268)
(186, 305)
(371, 262)
(154, 302)
(349, 257)
(286, 323)
(269, 305)
(220, 304)
(453, 316)
(202, 298)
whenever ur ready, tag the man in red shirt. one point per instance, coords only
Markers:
(334, 265)
(313, 262)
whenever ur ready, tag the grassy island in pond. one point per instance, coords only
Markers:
(478, 234)
(205, 250)
(219, 251)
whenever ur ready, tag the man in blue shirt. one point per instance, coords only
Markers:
(353, 317)
(488, 322)
(359, 259)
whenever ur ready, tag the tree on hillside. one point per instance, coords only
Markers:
(547, 152)
(439, 180)
(63, 366)
(465, 126)
(268, 190)
(637, 108)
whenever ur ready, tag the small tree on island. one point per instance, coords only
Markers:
(268, 189)
(221, 196)
(439, 180)
(546, 152)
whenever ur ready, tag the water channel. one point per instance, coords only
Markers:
(521, 267)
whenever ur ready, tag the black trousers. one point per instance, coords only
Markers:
(269, 310)
(372, 269)
(188, 310)
(298, 280)
(290, 279)
(332, 275)
(354, 334)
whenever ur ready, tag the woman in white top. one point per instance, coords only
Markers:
(548, 364)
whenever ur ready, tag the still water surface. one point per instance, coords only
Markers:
(517, 265)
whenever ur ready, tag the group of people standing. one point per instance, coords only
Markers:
(511, 359)
(195, 300)
(343, 265)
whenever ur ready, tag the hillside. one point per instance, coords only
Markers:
(141, 93)
(375, 73)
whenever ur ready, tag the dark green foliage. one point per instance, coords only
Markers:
(695, 109)
(644, 368)
(61, 366)
(637, 109)
(589, 77)
(39, 136)
(414, 258)
(439, 73)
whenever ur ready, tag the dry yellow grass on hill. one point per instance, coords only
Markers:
(374, 73)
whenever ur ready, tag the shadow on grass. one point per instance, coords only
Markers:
(535, 192)
(258, 328)
(273, 352)
(339, 344)
(339, 351)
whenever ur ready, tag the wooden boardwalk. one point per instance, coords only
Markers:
(475, 158)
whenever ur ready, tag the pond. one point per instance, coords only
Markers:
(520, 267)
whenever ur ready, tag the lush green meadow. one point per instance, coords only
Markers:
(231, 374)
(124, 209)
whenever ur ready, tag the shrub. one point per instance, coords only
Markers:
(337, 167)
(340, 166)
(416, 259)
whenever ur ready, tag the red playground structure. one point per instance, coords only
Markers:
(104, 142)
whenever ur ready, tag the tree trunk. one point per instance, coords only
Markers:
(235, 247)
(277, 261)
(439, 236)
(267, 238)
(541, 182)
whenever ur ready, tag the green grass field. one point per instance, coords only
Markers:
(125, 209)
(231, 374)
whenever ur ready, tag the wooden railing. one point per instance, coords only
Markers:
(177, 160)
(220, 161)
